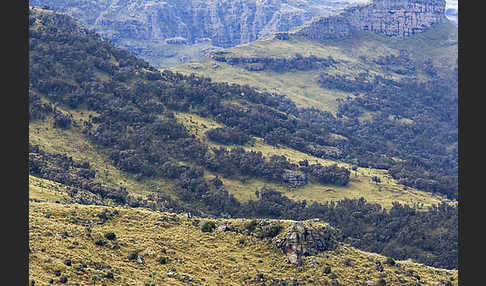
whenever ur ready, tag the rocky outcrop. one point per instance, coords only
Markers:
(226, 23)
(394, 18)
(294, 178)
(302, 238)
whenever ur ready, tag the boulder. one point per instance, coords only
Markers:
(294, 178)
(303, 239)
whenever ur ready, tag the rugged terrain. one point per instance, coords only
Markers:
(99, 245)
(365, 78)
(108, 129)
(169, 33)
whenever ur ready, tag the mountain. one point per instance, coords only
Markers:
(168, 33)
(107, 128)
(395, 89)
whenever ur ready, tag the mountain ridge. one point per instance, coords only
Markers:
(123, 109)
(168, 33)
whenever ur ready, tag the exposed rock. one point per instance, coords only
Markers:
(225, 23)
(225, 226)
(395, 18)
(294, 178)
(176, 41)
(303, 239)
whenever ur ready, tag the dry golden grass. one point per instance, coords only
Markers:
(438, 44)
(55, 235)
(73, 143)
(360, 185)
(300, 86)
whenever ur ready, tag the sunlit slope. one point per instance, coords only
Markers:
(354, 54)
(361, 184)
(140, 247)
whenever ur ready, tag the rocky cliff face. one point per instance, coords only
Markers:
(394, 18)
(224, 23)
(302, 238)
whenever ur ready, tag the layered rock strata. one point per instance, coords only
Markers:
(394, 18)
(225, 23)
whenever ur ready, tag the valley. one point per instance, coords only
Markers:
(304, 152)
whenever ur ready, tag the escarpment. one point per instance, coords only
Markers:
(394, 18)
(223, 23)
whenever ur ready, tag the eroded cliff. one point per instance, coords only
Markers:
(395, 18)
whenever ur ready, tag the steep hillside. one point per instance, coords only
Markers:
(99, 245)
(398, 92)
(110, 128)
(172, 32)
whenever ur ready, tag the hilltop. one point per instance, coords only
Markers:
(112, 130)
(72, 243)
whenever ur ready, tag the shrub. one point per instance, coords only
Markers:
(208, 226)
(110, 236)
(100, 242)
(326, 269)
(389, 261)
(133, 255)
(162, 260)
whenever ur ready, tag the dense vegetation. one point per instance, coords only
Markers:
(277, 64)
(135, 126)
(413, 120)
(429, 237)
(228, 136)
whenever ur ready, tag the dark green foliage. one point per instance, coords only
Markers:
(100, 242)
(401, 64)
(61, 120)
(423, 143)
(251, 225)
(162, 260)
(38, 109)
(65, 170)
(228, 136)
(208, 226)
(399, 233)
(133, 255)
(138, 131)
(277, 64)
(326, 269)
(389, 261)
(109, 275)
(328, 174)
(360, 83)
(110, 236)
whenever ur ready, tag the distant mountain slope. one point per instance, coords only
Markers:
(115, 131)
(171, 32)
(398, 93)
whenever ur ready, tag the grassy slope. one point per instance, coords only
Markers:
(73, 143)
(360, 184)
(210, 258)
(438, 44)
